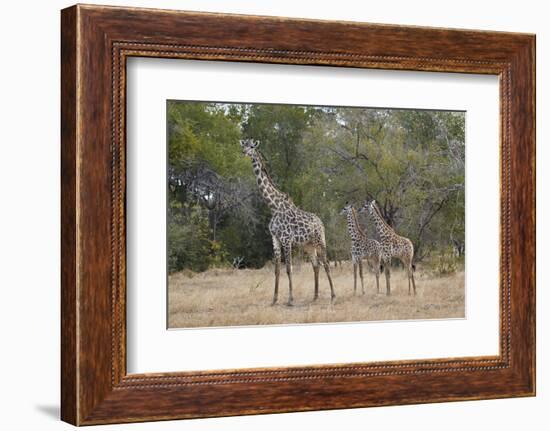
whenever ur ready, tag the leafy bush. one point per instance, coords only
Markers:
(446, 263)
(189, 244)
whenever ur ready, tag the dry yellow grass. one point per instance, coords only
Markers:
(225, 297)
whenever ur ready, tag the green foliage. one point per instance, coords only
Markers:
(280, 129)
(205, 133)
(253, 246)
(410, 161)
(188, 242)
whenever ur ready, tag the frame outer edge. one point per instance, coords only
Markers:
(524, 214)
(533, 53)
(530, 82)
(69, 201)
(532, 100)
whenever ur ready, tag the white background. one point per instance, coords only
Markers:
(151, 348)
(29, 222)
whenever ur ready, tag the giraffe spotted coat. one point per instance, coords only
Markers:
(289, 226)
(393, 245)
(362, 247)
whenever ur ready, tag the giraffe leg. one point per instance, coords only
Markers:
(409, 279)
(407, 263)
(316, 275)
(377, 274)
(407, 266)
(315, 264)
(323, 257)
(411, 272)
(410, 266)
(277, 264)
(354, 277)
(387, 274)
(361, 275)
(288, 262)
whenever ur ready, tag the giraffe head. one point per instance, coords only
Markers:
(249, 146)
(347, 209)
(368, 207)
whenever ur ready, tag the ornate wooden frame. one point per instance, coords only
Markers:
(95, 43)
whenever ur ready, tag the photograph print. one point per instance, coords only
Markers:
(289, 214)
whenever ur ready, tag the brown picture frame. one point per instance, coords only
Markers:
(95, 43)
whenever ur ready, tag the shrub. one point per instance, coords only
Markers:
(188, 244)
(446, 263)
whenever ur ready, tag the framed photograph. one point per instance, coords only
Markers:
(264, 214)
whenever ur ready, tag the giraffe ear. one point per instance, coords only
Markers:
(255, 144)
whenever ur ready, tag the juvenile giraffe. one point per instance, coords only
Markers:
(362, 247)
(289, 226)
(392, 245)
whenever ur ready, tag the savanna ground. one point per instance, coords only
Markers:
(229, 297)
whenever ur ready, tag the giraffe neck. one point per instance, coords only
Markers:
(384, 230)
(274, 198)
(354, 229)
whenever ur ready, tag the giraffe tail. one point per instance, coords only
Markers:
(413, 267)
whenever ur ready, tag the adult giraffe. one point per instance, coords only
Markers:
(392, 245)
(289, 226)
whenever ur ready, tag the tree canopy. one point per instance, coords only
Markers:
(410, 161)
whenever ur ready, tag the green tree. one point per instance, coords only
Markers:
(280, 129)
(410, 161)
